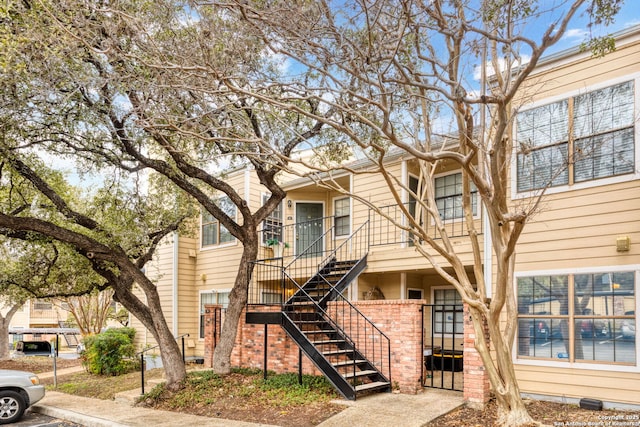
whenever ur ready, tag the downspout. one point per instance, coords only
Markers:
(174, 298)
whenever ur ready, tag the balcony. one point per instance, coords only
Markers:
(384, 229)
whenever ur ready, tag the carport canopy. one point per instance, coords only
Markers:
(45, 331)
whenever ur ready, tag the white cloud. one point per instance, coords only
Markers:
(575, 33)
(502, 64)
(631, 23)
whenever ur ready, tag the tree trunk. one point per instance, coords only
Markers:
(237, 302)
(500, 370)
(175, 371)
(153, 319)
(4, 338)
(4, 330)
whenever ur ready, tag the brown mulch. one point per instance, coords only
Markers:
(242, 400)
(547, 413)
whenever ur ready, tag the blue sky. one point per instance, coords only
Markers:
(576, 33)
(578, 30)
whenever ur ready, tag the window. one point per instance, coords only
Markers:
(214, 233)
(42, 305)
(415, 293)
(220, 298)
(448, 312)
(342, 216)
(603, 127)
(598, 144)
(578, 317)
(448, 190)
(272, 225)
(271, 298)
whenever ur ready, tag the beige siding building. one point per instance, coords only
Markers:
(578, 261)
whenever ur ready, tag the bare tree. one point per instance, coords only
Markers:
(398, 77)
(90, 311)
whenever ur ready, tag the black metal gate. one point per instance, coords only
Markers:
(442, 343)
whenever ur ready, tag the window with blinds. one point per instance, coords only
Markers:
(586, 137)
(272, 225)
(342, 213)
(448, 316)
(214, 233)
(448, 190)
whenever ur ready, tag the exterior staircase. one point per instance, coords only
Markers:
(70, 338)
(352, 353)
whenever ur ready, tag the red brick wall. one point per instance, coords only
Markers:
(282, 352)
(401, 321)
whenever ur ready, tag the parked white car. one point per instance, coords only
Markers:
(628, 329)
(18, 391)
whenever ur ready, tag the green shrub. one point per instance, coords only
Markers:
(111, 352)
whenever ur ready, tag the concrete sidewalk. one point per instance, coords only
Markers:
(379, 410)
(109, 413)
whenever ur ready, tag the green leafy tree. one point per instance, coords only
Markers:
(98, 242)
(37, 269)
(139, 89)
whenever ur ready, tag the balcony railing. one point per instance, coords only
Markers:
(385, 231)
(300, 237)
(269, 284)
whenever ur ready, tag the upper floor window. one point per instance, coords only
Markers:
(42, 305)
(272, 225)
(342, 214)
(582, 138)
(214, 233)
(448, 190)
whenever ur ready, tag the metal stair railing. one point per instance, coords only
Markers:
(361, 347)
(369, 340)
(305, 265)
(142, 362)
(281, 282)
(354, 249)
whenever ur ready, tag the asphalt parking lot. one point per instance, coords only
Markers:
(34, 419)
